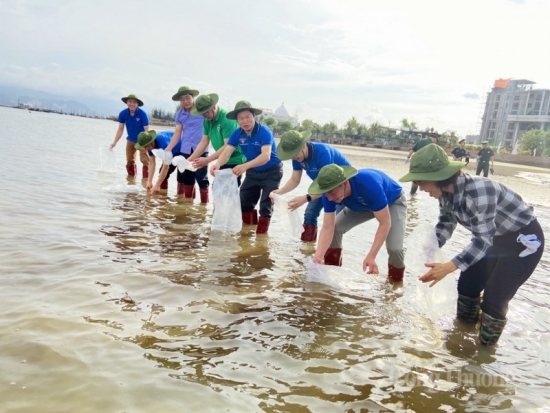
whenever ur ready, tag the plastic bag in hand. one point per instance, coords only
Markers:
(292, 218)
(183, 164)
(407, 160)
(227, 202)
(422, 247)
(164, 156)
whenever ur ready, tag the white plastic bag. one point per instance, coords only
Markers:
(227, 203)
(107, 159)
(165, 157)
(182, 164)
(291, 218)
(422, 247)
(340, 278)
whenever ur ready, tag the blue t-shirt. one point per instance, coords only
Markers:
(319, 155)
(134, 124)
(252, 145)
(371, 190)
(162, 140)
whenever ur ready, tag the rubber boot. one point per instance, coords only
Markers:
(310, 233)
(164, 184)
(180, 189)
(467, 309)
(145, 171)
(490, 330)
(395, 274)
(204, 195)
(263, 225)
(189, 191)
(131, 168)
(333, 256)
(414, 188)
(250, 217)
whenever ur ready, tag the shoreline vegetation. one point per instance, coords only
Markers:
(357, 141)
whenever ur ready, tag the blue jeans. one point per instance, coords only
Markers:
(313, 210)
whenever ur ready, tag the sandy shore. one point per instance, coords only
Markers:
(501, 168)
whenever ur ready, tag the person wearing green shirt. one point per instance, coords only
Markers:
(217, 129)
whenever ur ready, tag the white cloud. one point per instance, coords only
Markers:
(377, 61)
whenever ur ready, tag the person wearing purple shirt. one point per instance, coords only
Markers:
(366, 194)
(136, 121)
(263, 169)
(187, 136)
(309, 157)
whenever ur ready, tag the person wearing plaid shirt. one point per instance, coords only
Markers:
(506, 245)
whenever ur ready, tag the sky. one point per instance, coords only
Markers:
(430, 61)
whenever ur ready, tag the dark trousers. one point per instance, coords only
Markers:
(501, 272)
(483, 165)
(257, 186)
(188, 177)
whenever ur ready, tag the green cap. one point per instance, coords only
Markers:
(184, 90)
(330, 176)
(145, 138)
(240, 106)
(291, 143)
(204, 103)
(431, 163)
(132, 96)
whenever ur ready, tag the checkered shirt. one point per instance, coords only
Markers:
(486, 208)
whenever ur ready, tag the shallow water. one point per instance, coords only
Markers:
(116, 300)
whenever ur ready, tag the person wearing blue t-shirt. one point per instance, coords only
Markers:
(309, 157)
(136, 121)
(264, 170)
(366, 194)
(156, 140)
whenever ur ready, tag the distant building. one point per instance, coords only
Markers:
(280, 114)
(512, 108)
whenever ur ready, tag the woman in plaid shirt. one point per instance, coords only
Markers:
(506, 245)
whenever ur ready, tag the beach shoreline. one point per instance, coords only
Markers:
(401, 154)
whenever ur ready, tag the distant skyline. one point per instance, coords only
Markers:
(429, 61)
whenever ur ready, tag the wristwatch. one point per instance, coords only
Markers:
(308, 197)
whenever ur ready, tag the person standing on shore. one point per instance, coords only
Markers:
(429, 137)
(216, 130)
(506, 242)
(136, 121)
(187, 136)
(459, 153)
(366, 194)
(484, 156)
(152, 140)
(309, 157)
(264, 170)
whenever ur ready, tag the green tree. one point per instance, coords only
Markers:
(270, 123)
(405, 124)
(329, 129)
(374, 130)
(307, 124)
(536, 139)
(351, 127)
(284, 126)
